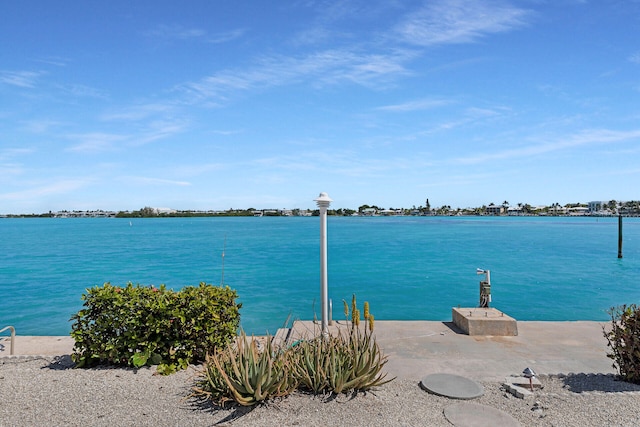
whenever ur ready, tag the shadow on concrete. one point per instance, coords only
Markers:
(606, 383)
(452, 326)
(235, 411)
(61, 363)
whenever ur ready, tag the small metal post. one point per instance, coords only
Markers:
(529, 373)
(13, 337)
(619, 236)
(485, 288)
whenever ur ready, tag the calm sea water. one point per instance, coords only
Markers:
(408, 268)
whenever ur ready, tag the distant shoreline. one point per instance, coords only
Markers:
(262, 213)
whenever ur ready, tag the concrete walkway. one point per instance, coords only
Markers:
(26, 345)
(419, 348)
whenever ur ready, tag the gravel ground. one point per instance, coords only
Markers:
(47, 391)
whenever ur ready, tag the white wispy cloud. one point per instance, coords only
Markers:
(321, 68)
(226, 36)
(327, 19)
(9, 153)
(175, 32)
(226, 132)
(41, 125)
(41, 190)
(94, 142)
(312, 36)
(460, 21)
(635, 57)
(441, 22)
(346, 163)
(586, 137)
(138, 112)
(196, 169)
(53, 60)
(26, 79)
(83, 91)
(181, 33)
(421, 104)
(144, 180)
(10, 170)
(158, 130)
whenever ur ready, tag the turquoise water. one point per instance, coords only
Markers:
(408, 268)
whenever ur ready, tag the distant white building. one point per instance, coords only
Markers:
(160, 211)
(598, 206)
(514, 211)
(578, 211)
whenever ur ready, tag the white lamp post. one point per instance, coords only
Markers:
(324, 201)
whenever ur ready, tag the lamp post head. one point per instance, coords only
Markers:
(323, 200)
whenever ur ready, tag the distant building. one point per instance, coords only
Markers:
(494, 210)
(595, 207)
(514, 211)
(578, 211)
(165, 211)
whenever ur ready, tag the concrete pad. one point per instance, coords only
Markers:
(524, 382)
(484, 321)
(419, 348)
(469, 414)
(26, 345)
(519, 392)
(521, 387)
(453, 386)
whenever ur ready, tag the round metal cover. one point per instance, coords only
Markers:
(453, 386)
(475, 415)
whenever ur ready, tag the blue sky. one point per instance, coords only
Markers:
(236, 104)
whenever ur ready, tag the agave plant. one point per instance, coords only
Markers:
(311, 364)
(341, 363)
(367, 360)
(246, 375)
(212, 384)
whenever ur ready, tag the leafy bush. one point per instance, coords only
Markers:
(139, 325)
(624, 340)
(245, 374)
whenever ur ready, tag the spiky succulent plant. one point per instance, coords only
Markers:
(246, 375)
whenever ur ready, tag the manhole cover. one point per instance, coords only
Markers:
(469, 414)
(453, 386)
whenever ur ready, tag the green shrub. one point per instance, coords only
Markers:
(624, 340)
(139, 325)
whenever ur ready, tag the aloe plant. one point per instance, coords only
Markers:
(348, 361)
(340, 363)
(310, 361)
(246, 375)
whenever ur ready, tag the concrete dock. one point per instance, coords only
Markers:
(419, 348)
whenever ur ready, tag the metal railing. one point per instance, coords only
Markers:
(13, 336)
